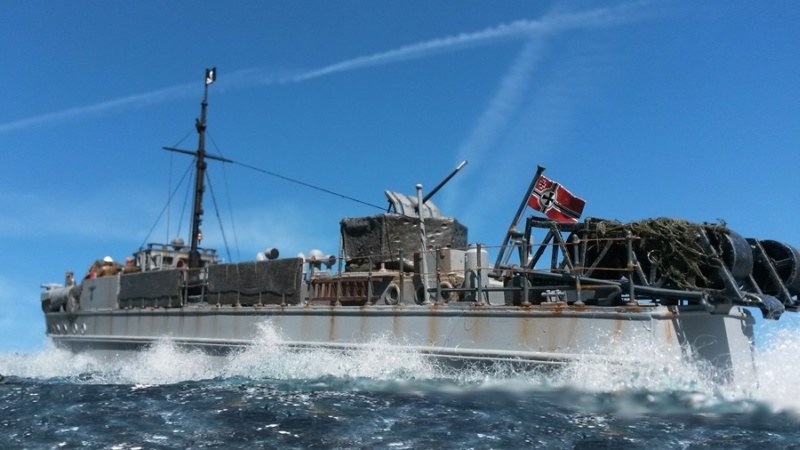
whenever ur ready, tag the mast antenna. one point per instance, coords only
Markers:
(200, 171)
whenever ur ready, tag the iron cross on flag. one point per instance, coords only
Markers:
(555, 201)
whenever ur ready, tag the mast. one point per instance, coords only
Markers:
(200, 173)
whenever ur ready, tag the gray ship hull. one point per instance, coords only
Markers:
(544, 335)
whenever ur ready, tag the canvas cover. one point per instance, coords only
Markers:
(380, 238)
(256, 283)
(160, 288)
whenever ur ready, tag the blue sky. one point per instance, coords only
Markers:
(644, 109)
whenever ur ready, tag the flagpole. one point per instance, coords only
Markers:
(520, 210)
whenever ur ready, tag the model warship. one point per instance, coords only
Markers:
(556, 290)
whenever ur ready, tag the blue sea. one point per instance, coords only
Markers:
(386, 397)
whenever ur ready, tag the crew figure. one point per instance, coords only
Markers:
(130, 266)
(69, 279)
(107, 268)
(93, 272)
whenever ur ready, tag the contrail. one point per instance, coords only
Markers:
(503, 105)
(493, 123)
(132, 101)
(236, 80)
(519, 29)
(523, 29)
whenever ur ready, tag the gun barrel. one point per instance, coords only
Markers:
(440, 185)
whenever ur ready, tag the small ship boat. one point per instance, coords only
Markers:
(558, 291)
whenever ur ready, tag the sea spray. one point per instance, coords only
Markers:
(637, 363)
(270, 357)
(777, 363)
(635, 378)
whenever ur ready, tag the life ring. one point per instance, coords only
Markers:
(391, 296)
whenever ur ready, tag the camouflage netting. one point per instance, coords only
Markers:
(671, 245)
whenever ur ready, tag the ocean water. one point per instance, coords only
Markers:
(385, 397)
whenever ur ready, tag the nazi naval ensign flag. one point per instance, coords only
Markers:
(555, 201)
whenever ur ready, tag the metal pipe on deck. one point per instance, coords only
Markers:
(424, 248)
(631, 270)
(480, 279)
(665, 292)
(501, 254)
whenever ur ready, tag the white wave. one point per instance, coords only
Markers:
(49, 362)
(777, 363)
(628, 367)
(635, 364)
(268, 358)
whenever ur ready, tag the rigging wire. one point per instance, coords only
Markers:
(276, 175)
(166, 206)
(230, 213)
(308, 185)
(169, 184)
(185, 204)
(219, 219)
(169, 197)
(228, 197)
(213, 196)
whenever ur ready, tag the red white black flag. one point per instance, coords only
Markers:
(555, 201)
